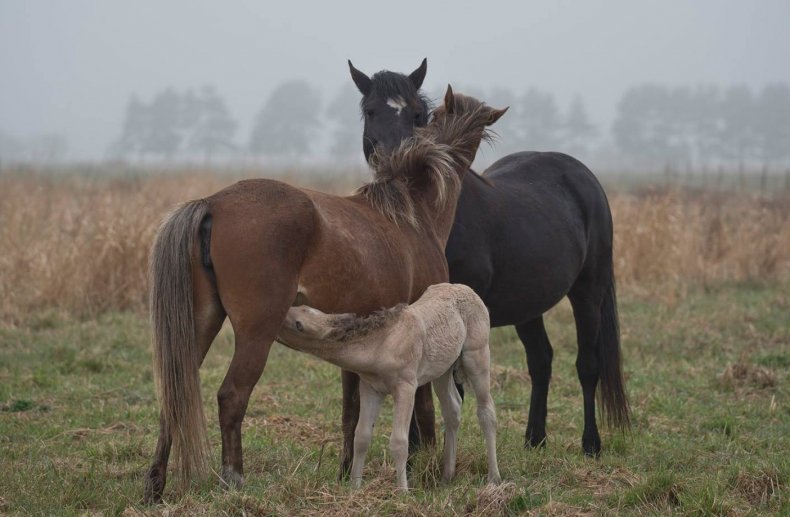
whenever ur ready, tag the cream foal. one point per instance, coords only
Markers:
(398, 349)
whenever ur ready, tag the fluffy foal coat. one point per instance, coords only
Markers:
(398, 349)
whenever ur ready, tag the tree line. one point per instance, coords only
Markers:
(655, 125)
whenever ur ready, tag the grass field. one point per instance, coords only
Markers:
(704, 284)
(707, 376)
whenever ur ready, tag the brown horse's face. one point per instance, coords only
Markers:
(458, 105)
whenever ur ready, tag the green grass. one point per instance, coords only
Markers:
(708, 381)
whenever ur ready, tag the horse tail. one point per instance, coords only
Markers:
(613, 398)
(176, 357)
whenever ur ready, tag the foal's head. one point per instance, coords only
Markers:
(392, 106)
(304, 322)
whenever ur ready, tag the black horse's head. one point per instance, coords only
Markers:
(392, 106)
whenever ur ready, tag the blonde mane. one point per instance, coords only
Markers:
(348, 328)
(433, 156)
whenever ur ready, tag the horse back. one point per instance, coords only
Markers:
(521, 239)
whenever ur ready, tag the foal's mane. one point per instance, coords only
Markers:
(433, 156)
(348, 328)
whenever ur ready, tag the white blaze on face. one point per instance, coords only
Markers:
(397, 104)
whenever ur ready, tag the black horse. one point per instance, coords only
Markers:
(534, 228)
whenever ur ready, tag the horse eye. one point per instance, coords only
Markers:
(417, 116)
(369, 113)
(299, 326)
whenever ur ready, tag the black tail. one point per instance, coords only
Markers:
(614, 401)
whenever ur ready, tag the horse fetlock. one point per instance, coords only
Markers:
(356, 482)
(231, 478)
(154, 486)
(591, 444)
(535, 439)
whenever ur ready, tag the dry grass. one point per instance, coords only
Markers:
(669, 240)
(80, 245)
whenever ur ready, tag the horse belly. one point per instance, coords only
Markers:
(533, 275)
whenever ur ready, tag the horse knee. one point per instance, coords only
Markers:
(231, 405)
(399, 447)
(587, 368)
(362, 438)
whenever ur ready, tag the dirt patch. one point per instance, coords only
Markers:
(760, 486)
(744, 374)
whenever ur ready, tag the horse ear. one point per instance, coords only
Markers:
(495, 114)
(418, 76)
(360, 79)
(449, 100)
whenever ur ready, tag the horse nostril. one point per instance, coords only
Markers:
(299, 326)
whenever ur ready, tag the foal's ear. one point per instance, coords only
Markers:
(360, 79)
(418, 76)
(494, 114)
(449, 100)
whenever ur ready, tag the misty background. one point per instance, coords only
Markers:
(621, 85)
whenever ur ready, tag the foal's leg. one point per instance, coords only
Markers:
(450, 402)
(403, 406)
(369, 407)
(476, 365)
(209, 317)
(587, 313)
(539, 356)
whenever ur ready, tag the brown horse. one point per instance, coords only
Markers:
(251, 251)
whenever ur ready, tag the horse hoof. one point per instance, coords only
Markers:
(154, 487)
(535, 442)
(356, 483)
(231, 478)
(345, 470)
(592, 448)
(494, 480)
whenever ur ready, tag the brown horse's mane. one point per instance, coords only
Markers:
(348, 328)
(433, 156)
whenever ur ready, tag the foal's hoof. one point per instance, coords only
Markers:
(231, 478)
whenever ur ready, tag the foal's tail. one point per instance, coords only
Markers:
(176, 357)
(614, 401)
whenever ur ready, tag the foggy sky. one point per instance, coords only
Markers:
(70, 66)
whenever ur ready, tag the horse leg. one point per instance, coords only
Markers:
(450, 403)
(403, 406)
(477, 368)
(587, 313)
(209, 316)
(370, 405)
(253, 343)
(350, 418)
(539, 356)
(424, 417)
(256, 307)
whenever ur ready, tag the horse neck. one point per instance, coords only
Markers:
(441, 217)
